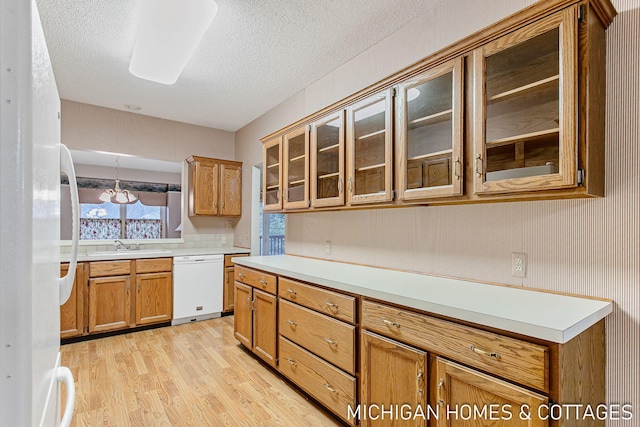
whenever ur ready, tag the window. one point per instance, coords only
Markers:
(155, 215)
(110, 221)
(271, 233)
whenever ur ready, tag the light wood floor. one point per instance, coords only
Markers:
(189, 375)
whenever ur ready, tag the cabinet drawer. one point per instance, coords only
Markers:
(109, 268)
(263, 281)
(153, 265)
(517, 360)
(333, 304)
(328, 338)
(330, 386)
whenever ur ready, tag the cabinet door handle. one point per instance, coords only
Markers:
(440, 387)
(419, 382)
(390, 323)
(292, 362)
(484, 352)
(249, 303)
(292, 323)
(278, 195)
(292, 292)
(138, 287)
(478, 165)
(215, 205)
(226, 278)
(331, 342)
(332, 305)
(350, 185)
(331, 389)
(339, 185)
(457, 168)
(223, 205)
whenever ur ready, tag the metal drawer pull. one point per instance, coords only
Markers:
(241, 275)
(263, 282)
(483, 352)
(330, 341)
(331, 389)
(440, 386)
(332, 305)
(390, 323)
(292, 323)
(478, 165)
(292, 292)
(291, 362)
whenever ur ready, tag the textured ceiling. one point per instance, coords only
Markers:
(255, 55)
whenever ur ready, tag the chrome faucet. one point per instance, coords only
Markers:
(121, 246)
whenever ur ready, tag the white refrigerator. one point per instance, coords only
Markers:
(31, 291)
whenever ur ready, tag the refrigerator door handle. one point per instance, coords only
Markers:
(66, 167)
(64, 375)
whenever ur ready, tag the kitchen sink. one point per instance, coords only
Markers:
(129, 252)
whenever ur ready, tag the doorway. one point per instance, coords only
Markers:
(267, 229)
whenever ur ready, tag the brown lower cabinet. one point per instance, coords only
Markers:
(72, 311)
(413, 368)
(392, 374)
(474, 398)
(119, 295)
(228, 296)
(109, 303)
(255, 313)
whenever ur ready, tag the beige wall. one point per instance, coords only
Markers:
(588, 247)
(88, 127)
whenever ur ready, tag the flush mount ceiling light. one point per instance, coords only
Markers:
(116, 195)
(168, 33)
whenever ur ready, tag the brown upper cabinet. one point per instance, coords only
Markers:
(215, 187)
(370, 149)
(296, 169)
(272, 175)
(512, 112)
(327, 161)
(430, 128)
(524, 124)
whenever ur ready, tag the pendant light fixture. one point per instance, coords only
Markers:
(168, 33)
(117, 195)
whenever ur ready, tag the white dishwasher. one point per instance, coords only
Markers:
(197, 288)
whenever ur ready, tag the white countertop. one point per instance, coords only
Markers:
(544, 315)
(155, 253)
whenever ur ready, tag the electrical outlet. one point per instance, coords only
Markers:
(518, 264)
(327, 247)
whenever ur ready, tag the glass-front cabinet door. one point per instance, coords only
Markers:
(525, 108)
(327, 161)
(430, 128)
(369, 149)
(296, 169)
(272, 175)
